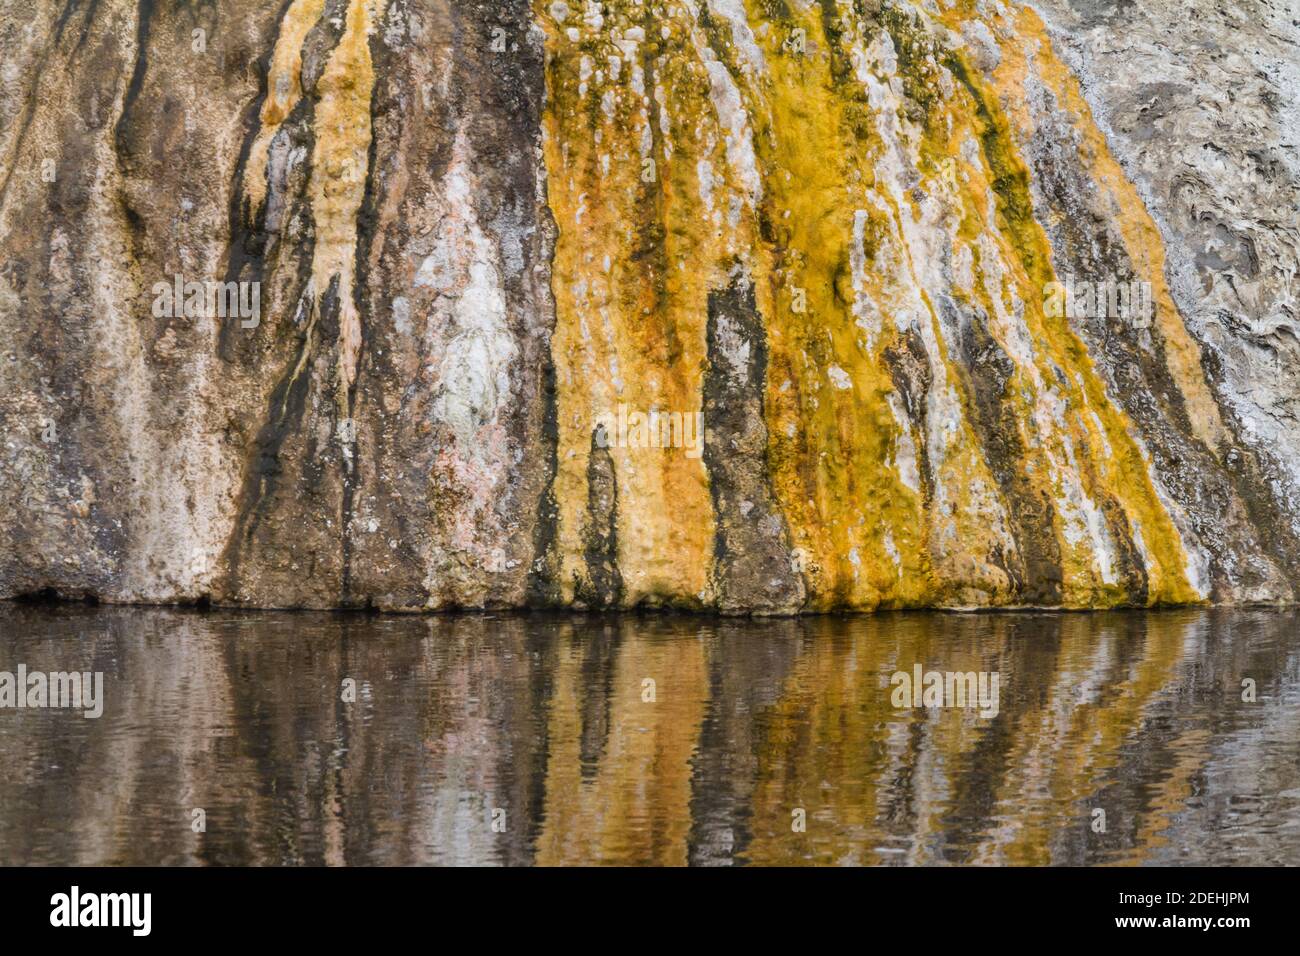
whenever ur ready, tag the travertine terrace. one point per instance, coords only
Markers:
(831, 229)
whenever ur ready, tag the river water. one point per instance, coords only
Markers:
(295, 738)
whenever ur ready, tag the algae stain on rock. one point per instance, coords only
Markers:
(826, 227)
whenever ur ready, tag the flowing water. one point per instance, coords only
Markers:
(226, 738)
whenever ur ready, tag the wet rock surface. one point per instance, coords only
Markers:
(323, 303)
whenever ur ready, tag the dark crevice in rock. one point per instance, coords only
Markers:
(986, 371)
(42, 596)
(909, 370)
(543, 576)
(285, 417)
(320, 42)
(48, 597)
(121, 139)
(248, 240)
(603, 585)
(126, 147)
(753, 570)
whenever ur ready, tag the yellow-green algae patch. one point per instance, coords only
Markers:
(1101, 430)
(686, 141)
(624, 129)
(832, 433)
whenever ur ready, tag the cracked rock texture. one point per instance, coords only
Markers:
(478, 233)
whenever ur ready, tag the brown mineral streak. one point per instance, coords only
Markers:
(339, 162)
(284, 89)
(339, 176)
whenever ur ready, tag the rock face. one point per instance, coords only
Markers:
(744, 305)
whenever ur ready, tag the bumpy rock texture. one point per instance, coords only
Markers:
(481, 229)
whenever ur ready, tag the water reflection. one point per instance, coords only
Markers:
(545, 718)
